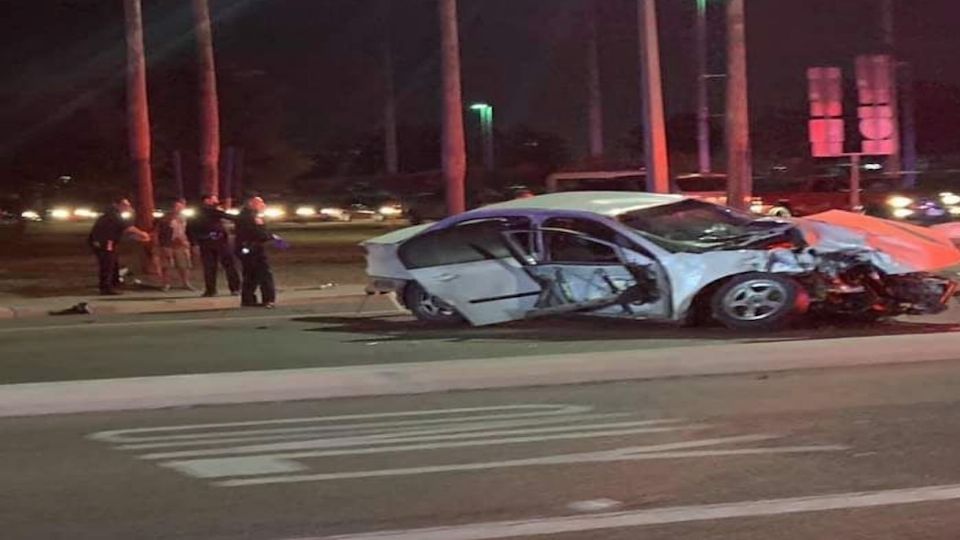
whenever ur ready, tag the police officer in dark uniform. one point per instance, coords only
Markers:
(106, 234)
(208, 233)
(252, 234)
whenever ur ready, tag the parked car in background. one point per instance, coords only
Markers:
(432, 205)
(707, 187)
(879, 197)
(658, 257)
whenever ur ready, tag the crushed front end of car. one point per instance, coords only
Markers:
(869, 268)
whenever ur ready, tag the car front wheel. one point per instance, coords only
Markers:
(759, 301)
(427, 307)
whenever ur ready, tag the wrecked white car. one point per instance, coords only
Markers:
(659, 257)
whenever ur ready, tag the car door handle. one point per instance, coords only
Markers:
(446, 276)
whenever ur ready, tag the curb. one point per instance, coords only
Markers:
(147, 393)
(181, 304)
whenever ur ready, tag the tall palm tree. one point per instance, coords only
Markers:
(138, 113)
(209, 105)
(453, 146)
(391, 158)
(594, 92)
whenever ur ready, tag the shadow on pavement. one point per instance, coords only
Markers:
(566, 329)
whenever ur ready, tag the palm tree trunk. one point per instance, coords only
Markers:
(453, 147)
(391, 156)
(594, 91)
(209, 106)
(138, 127)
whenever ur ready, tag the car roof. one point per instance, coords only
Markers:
(607, 203)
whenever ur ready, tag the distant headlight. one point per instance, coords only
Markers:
(899, 202)
(306, 211)
(954, 210)
(274, 212)
(332, 212)
(61, 214)
(158, 214)
(31, 215)
(84, 213)
(189, 213)
(126, 215)
(950, 199)
(902, 213)
(390, 210)
(233, 211)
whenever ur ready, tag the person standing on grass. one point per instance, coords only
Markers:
(208, 232)
(174, 246)
(252, 235)
(104, 238)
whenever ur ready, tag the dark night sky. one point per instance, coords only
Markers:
(525, 56)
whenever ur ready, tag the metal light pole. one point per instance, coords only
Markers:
(894, 165)
(654, 125)
(454, 152)
(485, 112)
(703, 97)
(739, 166)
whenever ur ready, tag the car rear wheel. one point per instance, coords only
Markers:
(427, 307)
(759, 301)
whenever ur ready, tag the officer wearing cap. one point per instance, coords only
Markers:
(106, 234)
(252, 235)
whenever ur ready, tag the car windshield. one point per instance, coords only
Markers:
(696, 226)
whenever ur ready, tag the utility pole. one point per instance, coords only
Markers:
(454, 151)
(908, 113)
(209, 102)
(739, 166)
(594, 92)
(138, 114)
(390, 153)
(894, 164)
(703, 96)
(654, 125)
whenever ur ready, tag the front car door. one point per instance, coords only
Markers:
(586, 266)
(472, 267)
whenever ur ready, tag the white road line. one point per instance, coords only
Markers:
(620, 454)
(121, 436)
(439, 434)
(93, 325)
(666, 516)
(450, 425)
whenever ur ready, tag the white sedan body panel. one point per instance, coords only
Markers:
(493, 291)
(484, 292)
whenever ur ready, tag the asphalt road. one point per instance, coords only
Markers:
(338, 332)
(864, 453)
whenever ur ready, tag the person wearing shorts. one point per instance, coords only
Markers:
(175, 247)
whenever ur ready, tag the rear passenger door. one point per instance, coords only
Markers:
(474, 269)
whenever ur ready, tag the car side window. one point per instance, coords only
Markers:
(467, 242)
(570, 240)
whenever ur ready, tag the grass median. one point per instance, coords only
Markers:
(52, 259)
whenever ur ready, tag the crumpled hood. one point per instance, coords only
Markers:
(892, 246)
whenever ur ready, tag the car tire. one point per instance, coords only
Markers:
(429, 308)
(780, 212)
(759, 301)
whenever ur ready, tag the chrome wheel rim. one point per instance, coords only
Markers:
(433, 306)
(756, 300)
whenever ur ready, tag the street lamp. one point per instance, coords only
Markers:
(485, 111)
